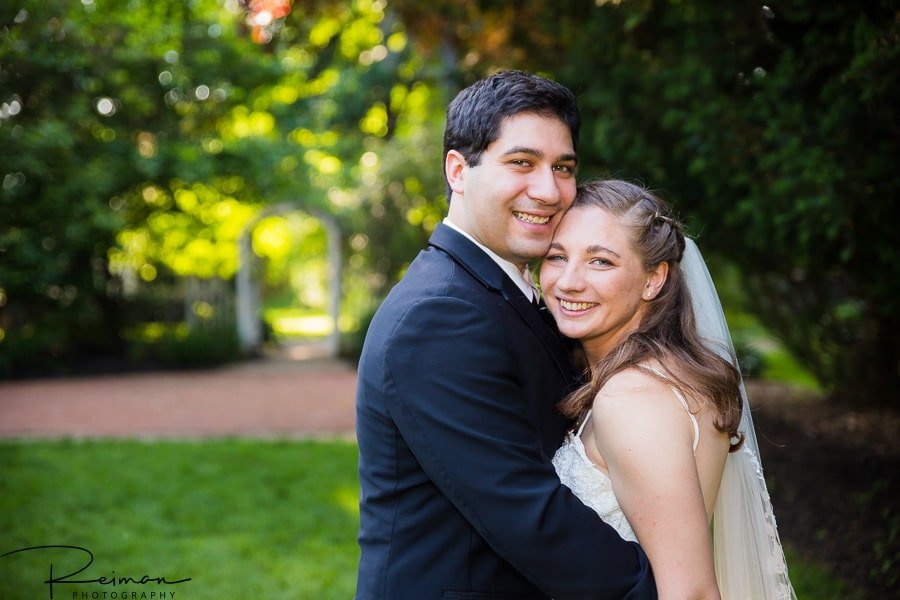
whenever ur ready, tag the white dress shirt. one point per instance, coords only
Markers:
(524, 281)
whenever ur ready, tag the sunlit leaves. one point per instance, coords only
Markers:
(198, 240)
(361, 35)
(294, 247)
(376, 120)
(306, 137)
(296, 59)
(415, 106)
(396, 42)
(321, 84)
(323, 162)
(285, 94)
(324, 29)
(272, 238)
(245, 123)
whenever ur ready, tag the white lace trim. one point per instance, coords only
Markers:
(590, 485)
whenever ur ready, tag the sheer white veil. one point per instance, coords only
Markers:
(749, 559)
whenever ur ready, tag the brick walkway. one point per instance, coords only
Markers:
(261, 398)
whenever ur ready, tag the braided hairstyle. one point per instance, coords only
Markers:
(667, 332)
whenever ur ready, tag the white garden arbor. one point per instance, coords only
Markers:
(248, 301)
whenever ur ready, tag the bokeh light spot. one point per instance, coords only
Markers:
(106, 107)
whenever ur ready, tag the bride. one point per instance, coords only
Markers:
(664, 448)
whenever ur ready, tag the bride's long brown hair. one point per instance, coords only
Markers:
(667, 333)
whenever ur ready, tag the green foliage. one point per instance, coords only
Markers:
(771, 136)
(185, 347)
(248, 519)
(138, 139)
(102, 109)
(142, 138)
(192, 230)
(812, 582)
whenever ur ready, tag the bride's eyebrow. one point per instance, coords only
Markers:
(597, 249)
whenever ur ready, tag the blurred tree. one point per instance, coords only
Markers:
(106, 104)
(135, 136)
(137, 139)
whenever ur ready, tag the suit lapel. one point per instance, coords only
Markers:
(547, 333)
(483, 268)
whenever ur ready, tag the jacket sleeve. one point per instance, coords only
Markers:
(463, 415)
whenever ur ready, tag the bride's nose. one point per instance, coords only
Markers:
(571, 279)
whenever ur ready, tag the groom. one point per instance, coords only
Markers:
(459, 376)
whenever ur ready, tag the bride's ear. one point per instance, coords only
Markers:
(455, 169)
(656, 279)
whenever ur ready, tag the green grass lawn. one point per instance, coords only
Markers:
(240, 518)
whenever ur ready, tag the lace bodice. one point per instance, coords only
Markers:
(591, 485)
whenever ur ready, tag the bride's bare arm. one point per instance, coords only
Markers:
(645, 438)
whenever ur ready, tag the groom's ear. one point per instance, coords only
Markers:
(455, 168)
(656, 280)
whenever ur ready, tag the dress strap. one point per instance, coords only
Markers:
(587, 417)
(684, 404)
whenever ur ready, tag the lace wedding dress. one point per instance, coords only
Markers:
(591, 485)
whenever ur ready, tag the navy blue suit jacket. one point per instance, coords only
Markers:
(456, 423)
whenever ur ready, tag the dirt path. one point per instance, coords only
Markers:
(273, 397)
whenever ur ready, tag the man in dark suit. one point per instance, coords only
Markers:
(459, 378)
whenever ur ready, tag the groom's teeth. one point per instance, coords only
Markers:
(531, 218)
(576, 305)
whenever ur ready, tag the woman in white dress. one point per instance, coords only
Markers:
(664, 448)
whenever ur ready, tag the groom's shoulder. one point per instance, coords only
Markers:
(436, 284)
(434, 274)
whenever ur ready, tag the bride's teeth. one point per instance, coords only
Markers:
(532, 218)
(576, 305)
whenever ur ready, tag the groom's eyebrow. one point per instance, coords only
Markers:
(539, 154)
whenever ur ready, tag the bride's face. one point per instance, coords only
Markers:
(593, 280)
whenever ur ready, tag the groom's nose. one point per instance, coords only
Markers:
(543, 187)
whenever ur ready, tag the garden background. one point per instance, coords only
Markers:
(143, 144)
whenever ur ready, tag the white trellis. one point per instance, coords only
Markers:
(248, 302)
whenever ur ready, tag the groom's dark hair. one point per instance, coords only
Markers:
(475, 116)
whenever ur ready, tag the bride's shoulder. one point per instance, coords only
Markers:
(638, 380)
(635, 392)
(637, 409)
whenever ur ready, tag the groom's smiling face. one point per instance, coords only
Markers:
(513, 200)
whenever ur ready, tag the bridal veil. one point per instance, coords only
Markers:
(749, 559)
